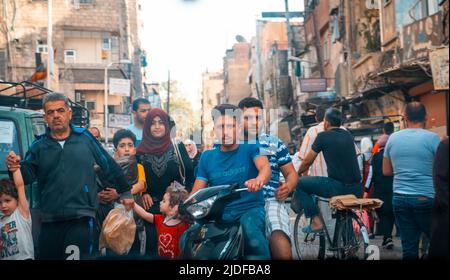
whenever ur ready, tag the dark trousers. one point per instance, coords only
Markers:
(67, 240)
(413, 215)
(386, 212)
(151, 234)
(439, 235)
(387, 220)
(324, 187)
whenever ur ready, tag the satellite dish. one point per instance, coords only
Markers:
(240, 39)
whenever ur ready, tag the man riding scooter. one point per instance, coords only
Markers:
(237, 163)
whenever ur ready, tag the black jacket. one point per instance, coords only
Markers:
(66, 177)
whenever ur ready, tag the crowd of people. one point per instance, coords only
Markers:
(151, 174)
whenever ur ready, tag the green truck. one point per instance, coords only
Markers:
(18, 129)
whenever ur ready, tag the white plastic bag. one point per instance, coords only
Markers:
(118, 230)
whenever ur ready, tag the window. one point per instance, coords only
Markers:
(3, 62)
(112, 109)
(42, 48)
(106, 44)
(82, 2)
(76, 3)
(39, 126)
(70, 56)
(416, 10)
(433, 7)
(90, 105)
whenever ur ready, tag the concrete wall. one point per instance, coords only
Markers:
(273, 31)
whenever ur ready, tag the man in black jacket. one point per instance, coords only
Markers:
(62, 162)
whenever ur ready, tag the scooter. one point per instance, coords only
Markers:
(211, 238)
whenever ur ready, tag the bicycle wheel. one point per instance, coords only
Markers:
(307, 246)
(351, 242)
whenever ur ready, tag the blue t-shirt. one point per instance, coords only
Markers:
(278, 155)
(411, 152)
(137, 132)
(224, 168)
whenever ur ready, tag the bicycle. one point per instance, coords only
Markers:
(347, 243)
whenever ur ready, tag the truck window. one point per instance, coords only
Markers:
(38, 126)
(9, 141)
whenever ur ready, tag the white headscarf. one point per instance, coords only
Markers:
(366, 147)
(194, 150)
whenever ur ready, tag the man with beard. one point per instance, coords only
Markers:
(62, 162)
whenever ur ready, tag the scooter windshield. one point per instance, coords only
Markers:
(205, 193)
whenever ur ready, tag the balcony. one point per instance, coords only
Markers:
(419, 36)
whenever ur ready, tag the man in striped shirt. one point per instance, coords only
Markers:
(277, 216)
(319, 167)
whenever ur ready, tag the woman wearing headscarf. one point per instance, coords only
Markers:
(366, 152)
(193, 152)
(382, 188)
(164, 162)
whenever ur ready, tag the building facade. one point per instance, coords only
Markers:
(236, 66)
(376, 56)
(88, 36)
(212, 90)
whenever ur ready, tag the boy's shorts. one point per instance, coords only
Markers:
(277, 217)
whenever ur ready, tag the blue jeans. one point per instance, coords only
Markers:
(413, 215)
(256, 246)
(253, 222)
(324, 187)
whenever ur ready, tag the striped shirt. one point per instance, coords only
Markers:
(278, 155)
(319, 167)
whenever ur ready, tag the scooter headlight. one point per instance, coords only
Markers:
(201, 209)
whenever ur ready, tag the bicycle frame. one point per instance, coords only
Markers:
(342, 217)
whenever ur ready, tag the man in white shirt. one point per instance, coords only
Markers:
(141, 107)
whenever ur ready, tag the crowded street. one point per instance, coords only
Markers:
(230, 130)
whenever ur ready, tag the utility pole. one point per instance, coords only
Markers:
(291, 52)
(259, 86)
(348, 45)
(12, 75)
(289, 32)
(168, 94)
(50, 45)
